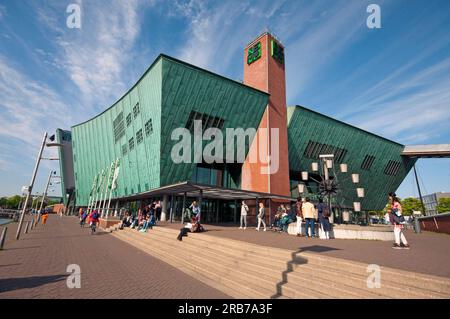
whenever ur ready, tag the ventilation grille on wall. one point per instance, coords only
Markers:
(118, 127)
(314, 149)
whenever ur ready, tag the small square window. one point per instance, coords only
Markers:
(128, 120)
(139, 136)
(131, 143)
(136, 110)
(148, 127)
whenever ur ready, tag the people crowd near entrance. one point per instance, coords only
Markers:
(301, 211)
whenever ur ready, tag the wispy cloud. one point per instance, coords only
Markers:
(2, 11)
(217, 33)
(27, 109)
(96, 57)
(328, 33)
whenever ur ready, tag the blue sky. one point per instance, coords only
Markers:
(393, 81)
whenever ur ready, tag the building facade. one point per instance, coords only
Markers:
(431, 201)
(125, 154)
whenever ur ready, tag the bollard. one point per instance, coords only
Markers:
(417, 226)
(26, 228)
(3, 237)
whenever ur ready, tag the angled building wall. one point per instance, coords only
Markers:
(137, 129)
(377, 160)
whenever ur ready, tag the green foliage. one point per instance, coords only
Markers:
(10, 202)
(411, 204)
(443, 205)
(377, 213)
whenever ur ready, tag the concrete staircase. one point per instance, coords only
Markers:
(244, 270)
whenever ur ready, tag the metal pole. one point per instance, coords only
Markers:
(98, 205)
(235, 211)
(112, 187)
(103, 202)
(30, 188)
(200, 199)
(418, 188)
(3, 237)
(26, 228)
(183, 208)
(46, 189)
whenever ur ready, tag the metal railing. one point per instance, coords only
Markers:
(13, 214)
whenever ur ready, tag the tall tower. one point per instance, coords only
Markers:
(264, 70)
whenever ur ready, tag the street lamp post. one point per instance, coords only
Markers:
(30, 188)
(46, 189)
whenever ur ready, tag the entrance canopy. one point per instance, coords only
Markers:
(207, 191)
(427, 151)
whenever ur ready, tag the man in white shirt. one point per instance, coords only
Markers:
(244, 211)
(308, 212)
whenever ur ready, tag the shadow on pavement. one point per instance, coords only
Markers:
(290, 266)
(318, 249)
(20, 248)
(11, 284)
(10, 265)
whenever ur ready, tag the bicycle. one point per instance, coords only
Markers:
(93, 228)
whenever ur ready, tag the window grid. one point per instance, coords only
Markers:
(139, 136)
(149, 127)
(136, 110)
(131, 143)
(367, 162)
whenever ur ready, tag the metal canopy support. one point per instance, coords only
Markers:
(235, 211)
(200, 199)
(418, 188)
(183, 208)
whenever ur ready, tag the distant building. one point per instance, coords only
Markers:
(431, 201)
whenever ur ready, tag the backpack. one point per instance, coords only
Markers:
(95, 216)
(397, 219)
(325, 211)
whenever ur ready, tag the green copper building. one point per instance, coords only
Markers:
(123, 155)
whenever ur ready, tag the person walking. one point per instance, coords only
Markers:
(308, 212)
(261, 216)
(299, 215)
(243, 219)
(44, 216)
(324, 214)
(396, 216)
(195, 210)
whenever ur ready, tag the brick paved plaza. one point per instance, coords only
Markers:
(429, 253)
(35, 267)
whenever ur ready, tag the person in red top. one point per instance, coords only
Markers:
(396, 208)
(93, 218)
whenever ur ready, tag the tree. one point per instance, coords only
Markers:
(13, 202)
(411, 204)
(443, 205)
(3, 202)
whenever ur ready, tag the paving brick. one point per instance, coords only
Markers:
(35, 267)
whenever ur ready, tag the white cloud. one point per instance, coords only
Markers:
(97, 57)
(28, 108)
(324, 35)
(2, 11)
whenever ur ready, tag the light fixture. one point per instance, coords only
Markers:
(357, 206)
(360, 192)
(344, 168)
(329, 163)
(355, 178)
(301, 188)
(314, 166)
(304, 176)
